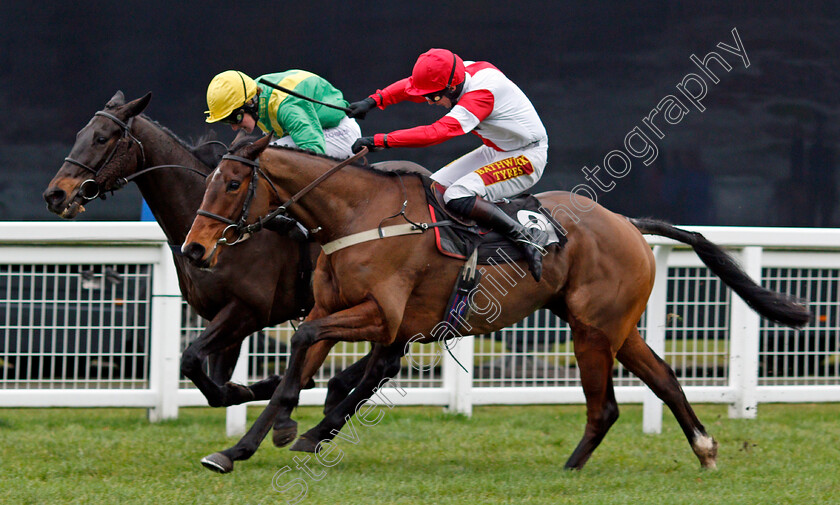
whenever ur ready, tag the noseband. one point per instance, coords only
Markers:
(126, 135)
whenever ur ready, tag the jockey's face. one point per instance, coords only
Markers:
(443, 102)
(248, 124)
(440, 98)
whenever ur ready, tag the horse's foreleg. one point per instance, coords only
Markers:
(222, 363)
(222, 337)
(361, 322)
(595, 362)
(637, 357)
(384, 363)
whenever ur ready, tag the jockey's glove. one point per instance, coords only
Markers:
(358, 110)
(365, 142)
(283, 225)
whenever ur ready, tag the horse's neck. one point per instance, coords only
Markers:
(337, 203)
(173, 194)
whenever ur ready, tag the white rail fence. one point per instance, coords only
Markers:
(91, 316)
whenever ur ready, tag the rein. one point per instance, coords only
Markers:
(122, 181)
(125, 180)
(244, 230)
(326, 175)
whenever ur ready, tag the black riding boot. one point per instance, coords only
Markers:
(488, 215)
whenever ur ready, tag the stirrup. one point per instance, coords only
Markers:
(526, 236)
(540, 249)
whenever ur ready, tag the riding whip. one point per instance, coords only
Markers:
(304, 97)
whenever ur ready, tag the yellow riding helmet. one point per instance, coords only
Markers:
(227, 92)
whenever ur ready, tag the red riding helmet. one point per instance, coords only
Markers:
(435, 70)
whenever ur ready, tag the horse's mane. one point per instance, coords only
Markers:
(208, 157)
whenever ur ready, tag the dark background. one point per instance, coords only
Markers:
(593, 70)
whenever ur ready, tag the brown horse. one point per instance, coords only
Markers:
(394, 290)
(242, 295)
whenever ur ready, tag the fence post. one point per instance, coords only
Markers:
(744, 343)
(455, 380)
(655, 324)
(236, 415)
(165, 341)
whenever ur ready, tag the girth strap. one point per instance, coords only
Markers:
(375, 234)
(303, 280)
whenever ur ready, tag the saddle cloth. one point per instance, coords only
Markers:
(462, 237)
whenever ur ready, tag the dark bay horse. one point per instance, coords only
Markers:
(394, 290)
(256, 284)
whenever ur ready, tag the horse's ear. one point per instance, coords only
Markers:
(240, 135)
(116, 100)
(137, 106)
(252, 151)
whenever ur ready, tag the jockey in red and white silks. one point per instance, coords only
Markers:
(481, 100)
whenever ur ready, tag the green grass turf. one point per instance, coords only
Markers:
(419, 455)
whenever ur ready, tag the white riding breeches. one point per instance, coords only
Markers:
(338, 140)
(493, 175)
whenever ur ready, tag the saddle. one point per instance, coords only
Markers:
(462, 237)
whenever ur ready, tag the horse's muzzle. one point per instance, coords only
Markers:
(195, 253)
(55, 197)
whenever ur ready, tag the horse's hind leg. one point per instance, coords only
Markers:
(343, 382)
(637, 357)
(595, 362)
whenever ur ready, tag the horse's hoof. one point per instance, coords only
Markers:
(217, 462)
(706, 449)
(304, 444)
(284, 433)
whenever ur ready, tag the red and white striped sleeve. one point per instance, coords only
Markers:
(395, 93)
(472, 109)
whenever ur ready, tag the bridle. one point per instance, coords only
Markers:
(240, 227)
(126, 136)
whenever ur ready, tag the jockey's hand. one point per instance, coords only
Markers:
(365, 142)
(281, 224)
(359, 109)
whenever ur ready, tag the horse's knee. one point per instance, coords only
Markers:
(304, 336)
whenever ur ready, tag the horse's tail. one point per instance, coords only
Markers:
(774, 306)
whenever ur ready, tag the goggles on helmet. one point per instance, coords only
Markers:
(434, 97)
(235, 117)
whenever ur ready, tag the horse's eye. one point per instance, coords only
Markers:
(233, 185)
(101, 140)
